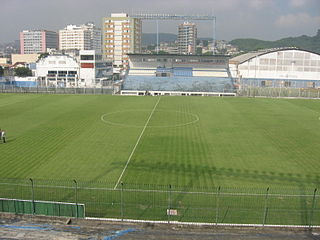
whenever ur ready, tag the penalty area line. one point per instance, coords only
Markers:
(135, 146)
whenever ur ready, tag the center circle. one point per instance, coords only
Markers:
(159, 119)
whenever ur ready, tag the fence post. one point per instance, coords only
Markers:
(265, 208)
(32, 196)
(217, 204)
(169, 203)
(76, 196)
(121, 199)
(313, 205)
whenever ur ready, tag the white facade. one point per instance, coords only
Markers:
(84, 37)
(93, 70)
(58, 71)
(87, 70)
(291, 67)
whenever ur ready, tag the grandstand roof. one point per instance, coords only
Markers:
(247, 56)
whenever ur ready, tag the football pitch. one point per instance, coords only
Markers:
(182, 141)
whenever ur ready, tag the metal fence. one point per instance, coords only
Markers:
(248, 91)
(53, 90)
(46, 208)
(218, 205)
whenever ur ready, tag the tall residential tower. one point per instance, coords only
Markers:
(37, 41)
(121, 35)
(187, 37)
(83, 37)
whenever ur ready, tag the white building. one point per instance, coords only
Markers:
(121, 35)
(187, 37)
(93, 70)
(284, 67)
(58, 71)
(83, 37)
(88, 70)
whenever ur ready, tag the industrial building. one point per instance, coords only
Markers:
(277, 68)
(182, 73)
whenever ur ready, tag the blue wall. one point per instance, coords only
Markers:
(178, 83)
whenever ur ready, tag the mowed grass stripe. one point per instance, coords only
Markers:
(239, 148)
(136, 144)
(173, 150)
(40, 143)
(76, 143)
(236, 142)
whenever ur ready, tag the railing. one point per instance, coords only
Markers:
(279, 92)
(56, 90)
(218, 205)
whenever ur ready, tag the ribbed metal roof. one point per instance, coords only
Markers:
(247, 56)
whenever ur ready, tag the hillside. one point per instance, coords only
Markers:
(151, 38)
(304, 42)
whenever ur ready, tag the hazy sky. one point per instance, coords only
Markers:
(263, 19)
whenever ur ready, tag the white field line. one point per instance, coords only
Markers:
(159, 126)
(135, 146)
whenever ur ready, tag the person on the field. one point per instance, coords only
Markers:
(3, 135)
(0, 134)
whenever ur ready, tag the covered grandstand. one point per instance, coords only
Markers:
(277, 68)
(181, 73)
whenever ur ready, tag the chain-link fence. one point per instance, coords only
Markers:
(53, 90)
(248, 91)
(287, 206)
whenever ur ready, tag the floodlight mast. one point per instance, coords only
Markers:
(158, 16)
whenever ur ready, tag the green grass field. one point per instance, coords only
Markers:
(185, 141)
(195, 144)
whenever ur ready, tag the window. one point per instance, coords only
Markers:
(287, 84)
(311, 84)
(86, 57)
(62, 73)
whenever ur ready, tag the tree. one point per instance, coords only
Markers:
(22, 72)
(43, 55)
(160, 52)
(1, 71)
(208, 53)
(199, 51)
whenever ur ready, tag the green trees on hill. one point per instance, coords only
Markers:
(304, 42)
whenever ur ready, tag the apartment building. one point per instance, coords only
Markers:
(37, 41)
(187, 37)
(83, 37)
(121, 35)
